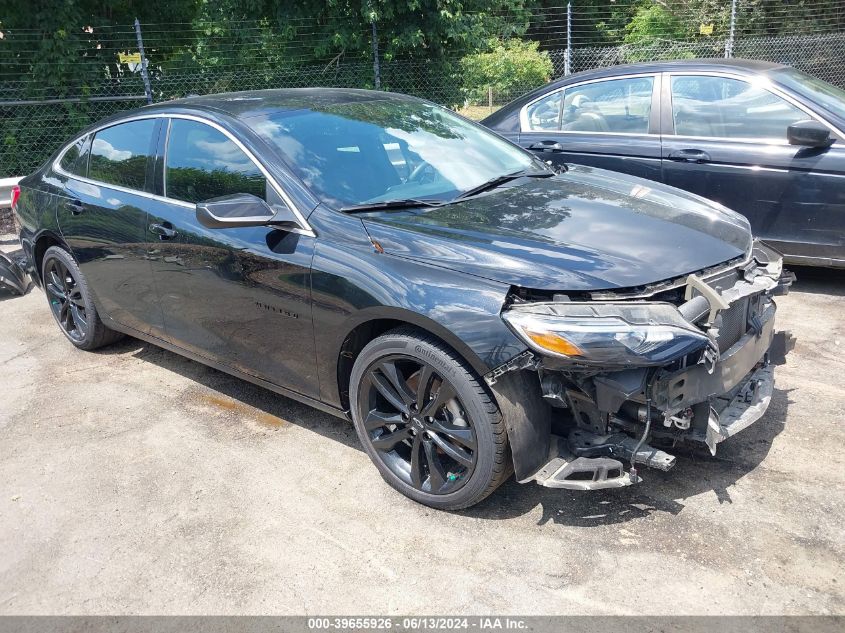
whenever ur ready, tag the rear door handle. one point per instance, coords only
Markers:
(164, 231)
(689, 156)
(547, 146)
(76, 207)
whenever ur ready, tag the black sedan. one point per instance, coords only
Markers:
(763, 139)
(474, 312)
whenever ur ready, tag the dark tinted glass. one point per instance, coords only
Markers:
(119, 154)
(203, 163)
(75, 159)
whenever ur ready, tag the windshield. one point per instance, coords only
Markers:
(388, 149)
(826, 95)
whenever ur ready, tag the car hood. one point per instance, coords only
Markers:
(586, 229)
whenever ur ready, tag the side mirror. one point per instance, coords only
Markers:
(809, 134)
(242, 210)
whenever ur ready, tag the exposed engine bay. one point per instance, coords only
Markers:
(629, 373)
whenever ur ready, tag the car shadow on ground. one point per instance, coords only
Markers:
(213, 383)
(6, 294)
(695, 473)
(827, 281)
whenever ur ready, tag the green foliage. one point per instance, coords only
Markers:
(509, 67)
(653, 21)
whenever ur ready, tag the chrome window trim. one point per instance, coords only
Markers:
(306, 230)
(524, 126)
(164, 159)
(640, 134)
(765, 83)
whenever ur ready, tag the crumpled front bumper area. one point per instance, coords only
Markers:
(619, 420)
(586, 460)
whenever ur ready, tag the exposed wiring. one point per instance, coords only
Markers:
(633, 472)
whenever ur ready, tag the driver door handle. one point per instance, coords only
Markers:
(689, 156)
(164, 231)
(547, 146)
(76, 207)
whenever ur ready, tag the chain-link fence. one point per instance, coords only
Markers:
(53, 84)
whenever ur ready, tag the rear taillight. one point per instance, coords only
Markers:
(16, 193)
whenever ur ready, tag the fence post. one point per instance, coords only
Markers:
(144, 74)
(729, 45)
(376, 68)
(567, 57)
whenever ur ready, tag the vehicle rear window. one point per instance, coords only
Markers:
(119, 154)
(75, 159)
(203, 163)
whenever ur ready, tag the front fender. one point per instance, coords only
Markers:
(352, 283)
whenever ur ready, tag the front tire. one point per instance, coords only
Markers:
(71, 303)
(427, 423)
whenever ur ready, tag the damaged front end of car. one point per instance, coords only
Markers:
(627, 372)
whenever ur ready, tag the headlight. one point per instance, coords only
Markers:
(606, 334)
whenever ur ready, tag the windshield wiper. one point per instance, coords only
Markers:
(500, 180)
(406, 203)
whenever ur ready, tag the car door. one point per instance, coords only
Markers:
(725, 139)
(236, 296)
(610, 123)
(103, 216)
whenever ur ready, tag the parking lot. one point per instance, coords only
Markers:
(133, 480)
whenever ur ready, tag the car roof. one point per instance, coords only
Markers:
(717, 63)
(250, 103)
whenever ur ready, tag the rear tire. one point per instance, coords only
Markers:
(71, 302)
(426, 421)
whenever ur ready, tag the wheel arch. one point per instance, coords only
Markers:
(370, 326)
(40, 245)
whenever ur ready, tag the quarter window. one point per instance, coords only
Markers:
(544, 115)
(203, 163)
(616, 105)
(721, 107)
(75, 159)
(119, 154)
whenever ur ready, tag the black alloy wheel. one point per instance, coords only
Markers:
(71, 303)
(66, 301)
(417, 424)
(426, 420)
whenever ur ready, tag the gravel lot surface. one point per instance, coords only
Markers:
(133, 480)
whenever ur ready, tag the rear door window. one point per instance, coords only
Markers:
(616, 105)
(119, 154)
(203, 163)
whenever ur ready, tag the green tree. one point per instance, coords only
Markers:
(509, 68)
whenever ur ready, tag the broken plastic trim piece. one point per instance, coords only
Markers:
(587, 461)
(566, 471)
(13, 277)
(525, 360)
(747, 406)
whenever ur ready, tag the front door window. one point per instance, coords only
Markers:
(722, 107)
